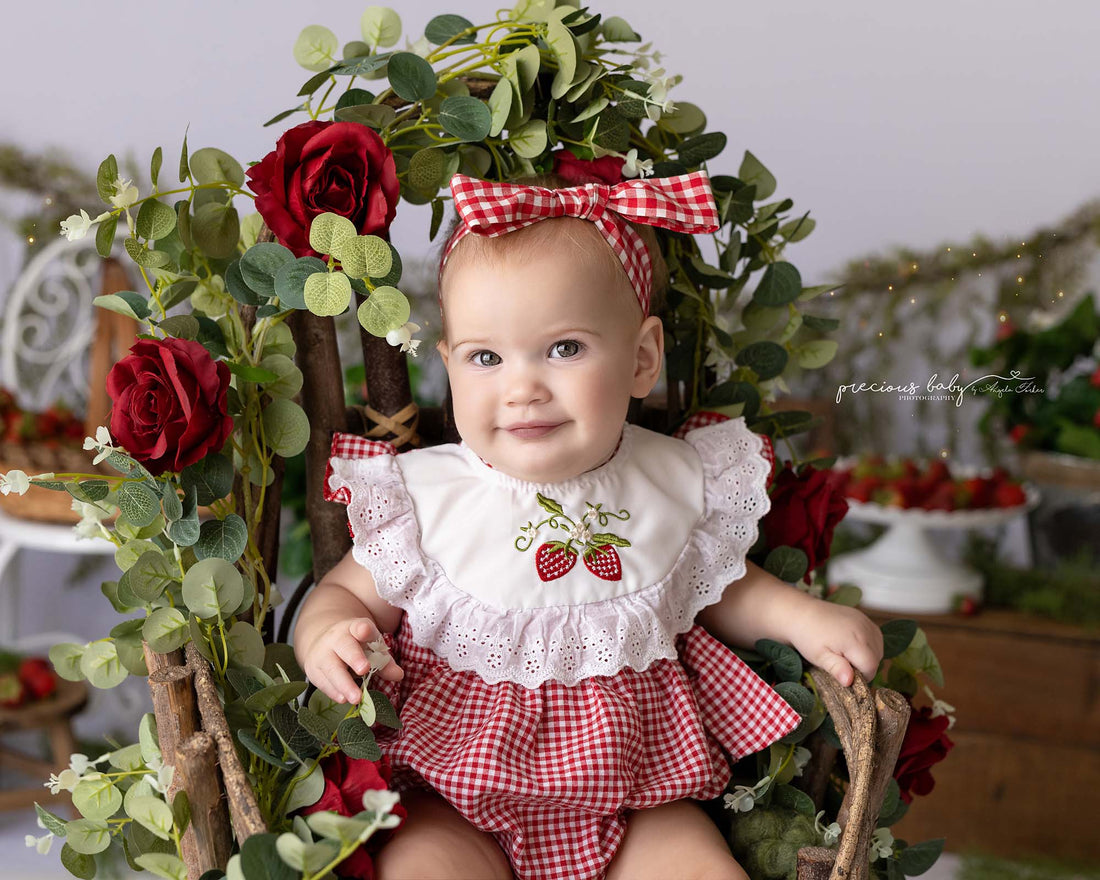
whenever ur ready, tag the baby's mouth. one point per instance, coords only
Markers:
(532, 430)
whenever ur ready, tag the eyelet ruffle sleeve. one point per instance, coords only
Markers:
(735, 487)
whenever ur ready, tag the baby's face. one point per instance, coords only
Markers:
(543, 356)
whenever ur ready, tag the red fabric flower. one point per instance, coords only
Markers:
(346, 779)
(805, 509)
(169, 403)
(317, 167)
(608, 169)
(926, 743)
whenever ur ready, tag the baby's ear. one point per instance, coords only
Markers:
(444, 351)
(649, 356)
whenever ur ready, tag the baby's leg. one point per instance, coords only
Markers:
(673, 840)
(437, 843)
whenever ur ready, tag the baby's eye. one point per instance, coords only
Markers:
(485, 358)
(567, 348)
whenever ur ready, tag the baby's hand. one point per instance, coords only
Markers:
(339, 647)
(837, 638)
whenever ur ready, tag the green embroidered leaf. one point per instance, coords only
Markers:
(549, 505)
(608, 538)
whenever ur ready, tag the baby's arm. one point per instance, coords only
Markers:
(340, 614)
(760, 606)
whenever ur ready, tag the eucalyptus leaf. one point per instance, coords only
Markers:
(211, 165)
(411, 77)
(447, 28)
(816, 353)
(153, 814)
(100, 664)
(783, 658)
(376, 116)
(465, 118)
(151, 575)
(754, 173)
(65, 657)
(530, 139)
(246, 645)
(260, 264)
(105, 178)
(316, 47)
(222, 538)
(286, 427)
(369, 255)
(765, 358)
(78, 864)
(155, 220)
(105, 236)
(87, 836)
(288, 378)
(357, 740)
(212, 588)
(386, 309)
(166, 630)
(210, 479)
(249, 741)
(787, 563)
(897, 635)
(290, 280)
(308, 788)
(380, 25)
(97, 797)
(142, 255)
(216, 229)
(166, 865)
(138, 503)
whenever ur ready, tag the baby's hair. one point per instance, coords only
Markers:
(582, 234)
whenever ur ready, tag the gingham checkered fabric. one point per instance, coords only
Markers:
(351, 446)
(683, 203)
(706, 417)
(552, 771)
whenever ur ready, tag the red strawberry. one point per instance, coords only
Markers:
(1094, 379)
(552, 560)
(604, 563)
(1008, 495)
(941, 498)
(966, 605)
(37, 677)
(1018, 433)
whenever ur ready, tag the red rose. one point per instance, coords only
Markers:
(805, 509)
(346, 779)
(926, 743)
(608, 169)
(317, 167)
(169, 403)
(37, 677)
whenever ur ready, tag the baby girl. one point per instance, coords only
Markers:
(560, 584)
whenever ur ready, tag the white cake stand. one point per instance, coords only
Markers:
(904, 570)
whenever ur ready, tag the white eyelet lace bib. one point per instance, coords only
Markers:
(528, 582)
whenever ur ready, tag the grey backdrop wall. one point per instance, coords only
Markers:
(893, 123)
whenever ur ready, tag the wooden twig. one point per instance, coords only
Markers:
(243, 808)
(177, 719)
(870, 726)
(197, 768)
(319, 361)
(155, 661)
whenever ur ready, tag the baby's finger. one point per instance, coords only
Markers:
(342, 682)
(364, 630)
(319, 679)
(391, 671)
(351, 652)
(838, 668)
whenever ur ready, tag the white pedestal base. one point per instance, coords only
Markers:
(903, 571)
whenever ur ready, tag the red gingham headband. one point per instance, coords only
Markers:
(682, 204)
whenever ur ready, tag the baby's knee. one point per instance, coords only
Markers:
(721, 867)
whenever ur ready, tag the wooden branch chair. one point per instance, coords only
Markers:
(192, 724)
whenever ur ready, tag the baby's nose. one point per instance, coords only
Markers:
(526, 385)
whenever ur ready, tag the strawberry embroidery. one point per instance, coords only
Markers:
(554, 559)
(604, 563)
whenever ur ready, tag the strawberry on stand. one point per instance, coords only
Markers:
(24, 679)
(907, 485)
(555, 559)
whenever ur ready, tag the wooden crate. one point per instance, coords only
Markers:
(1024, 776)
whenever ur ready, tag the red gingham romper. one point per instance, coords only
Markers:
(553, 770)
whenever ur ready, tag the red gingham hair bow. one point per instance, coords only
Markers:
(682, 204)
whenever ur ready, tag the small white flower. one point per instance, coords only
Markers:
(76, 226)
(79, 763)
(14, 482)
(379, 800)
(163, 778)
(125, 193)
(830, 833)
(635, 167)
(590, 513)
(939, 707)
(882, 844)
(42, 844)
(378, 655)
(580, 533)
(402, 336)
(102, 441)
(741, 801)
(530, 530)
(66, 779)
